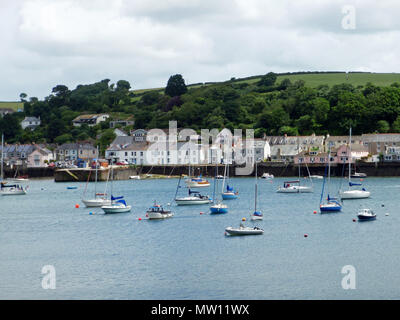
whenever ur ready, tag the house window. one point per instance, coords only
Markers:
(322, 159)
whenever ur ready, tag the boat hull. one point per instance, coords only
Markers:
(116, 209)
(295, 189)
(218, 209)
(91, 203)
(326, 208)
(354, 194)
(243, 231)
(13, 192)
(255, 218)
(158, 216)
(197, 185)
(366, 218)
(183, 201)
(229, 196)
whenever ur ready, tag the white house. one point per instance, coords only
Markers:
(30, 123)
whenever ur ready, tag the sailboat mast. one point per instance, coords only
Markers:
(329, 169)
(223, 182)
(215, 182)
(2, 156)
(255, 191)
(95, 183)
(349, 156)
(298, 151)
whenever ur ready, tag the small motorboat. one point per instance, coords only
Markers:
(72, 188)
(243, 231)
(266, 175)
(257, 215)
(218, 208)
(315, 176)
(366, 214)
(134, 177)
(195, 197)
(158, 212)
(219, 177)
(294, 187)
(118, 205)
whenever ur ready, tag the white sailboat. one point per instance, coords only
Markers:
(118, 204)
(193, 198)
(217, 207)
(196, 182)
(294, 186)
(100, 199)
(353, 193)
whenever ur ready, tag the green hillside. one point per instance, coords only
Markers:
(315, 79)
(11, 105)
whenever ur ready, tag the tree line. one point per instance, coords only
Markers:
(267, 106)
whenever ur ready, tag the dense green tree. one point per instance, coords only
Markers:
(175, 86)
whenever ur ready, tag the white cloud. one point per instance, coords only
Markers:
(74, 41)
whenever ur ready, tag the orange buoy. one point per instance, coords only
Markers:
(77, 206)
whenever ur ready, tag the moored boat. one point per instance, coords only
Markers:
(244, 231)
(118, 205)
(158, 212)
(294, 187)
(194, 197)
(366, 214)
(12, 189)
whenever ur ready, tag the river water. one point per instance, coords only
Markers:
(99, 256)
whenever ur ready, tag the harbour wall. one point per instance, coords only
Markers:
(277, 169)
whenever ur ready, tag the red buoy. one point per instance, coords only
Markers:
(140, 219)
(354, 220)
(201, 212)
(314, 212)
(77, 206)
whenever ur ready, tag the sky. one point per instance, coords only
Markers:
(49, 42)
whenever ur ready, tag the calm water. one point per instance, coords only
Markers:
(188, 257)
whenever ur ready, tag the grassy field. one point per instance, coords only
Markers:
(12, 105)
(316, 79)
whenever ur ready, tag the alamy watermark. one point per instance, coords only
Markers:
(49, 279)
(349, 18)
(349, 280)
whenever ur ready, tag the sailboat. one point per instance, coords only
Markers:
(229, 194)
(294, 186)
(353, 193)
(99, 199)
(118, 204)
(257, 215)
(332, 204)
(7, 189)
(196, 182)
(193, 198)
(218, 206)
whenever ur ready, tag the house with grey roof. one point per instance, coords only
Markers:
(30, 123)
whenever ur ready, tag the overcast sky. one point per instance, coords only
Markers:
(71, 42)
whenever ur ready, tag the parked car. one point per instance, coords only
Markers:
(122, 163)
